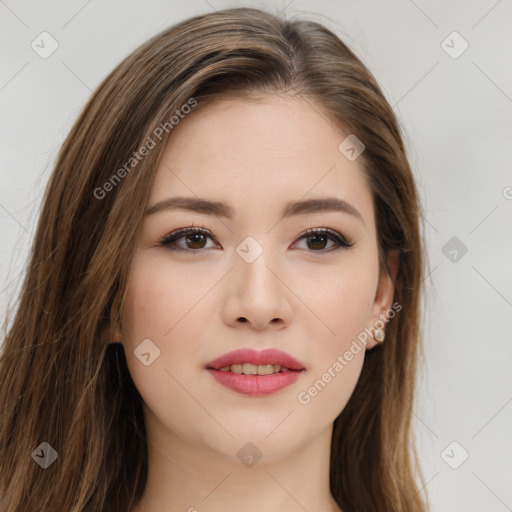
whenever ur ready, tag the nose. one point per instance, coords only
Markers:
(258, 295)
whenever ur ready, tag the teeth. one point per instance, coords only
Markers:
(252, 369)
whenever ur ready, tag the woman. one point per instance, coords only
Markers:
(221, 308)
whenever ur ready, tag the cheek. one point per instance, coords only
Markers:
(337, 357)
(159, 299)
(169, 306)
(342, 301)
(329, 386)
(160, 306)
(339, 299)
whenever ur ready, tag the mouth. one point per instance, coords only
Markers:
(254, 373)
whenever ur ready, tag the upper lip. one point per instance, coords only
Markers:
(247, 355)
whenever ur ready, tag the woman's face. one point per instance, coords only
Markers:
(306, 296)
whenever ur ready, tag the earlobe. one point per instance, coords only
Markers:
(115, 335)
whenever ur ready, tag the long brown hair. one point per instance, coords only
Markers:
(63, 384)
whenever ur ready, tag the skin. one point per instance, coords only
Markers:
(296, 297)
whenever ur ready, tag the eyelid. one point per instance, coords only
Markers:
(192, 228)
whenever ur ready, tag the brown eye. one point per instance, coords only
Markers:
(317, 241)
(318, 238)
(194, 240)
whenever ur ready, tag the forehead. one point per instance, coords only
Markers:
(259, 155)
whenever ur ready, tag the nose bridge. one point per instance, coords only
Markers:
(254, 260)
(259, 292)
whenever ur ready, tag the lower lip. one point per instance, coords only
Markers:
(255, 385)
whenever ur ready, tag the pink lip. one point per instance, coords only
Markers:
(255, 385)
(247, 355)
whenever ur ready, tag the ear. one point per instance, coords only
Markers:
(384, 294)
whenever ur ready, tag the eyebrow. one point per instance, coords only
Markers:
(221, 209)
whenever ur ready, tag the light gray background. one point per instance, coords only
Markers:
(457, 116)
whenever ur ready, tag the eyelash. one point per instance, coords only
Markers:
(340, 241)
